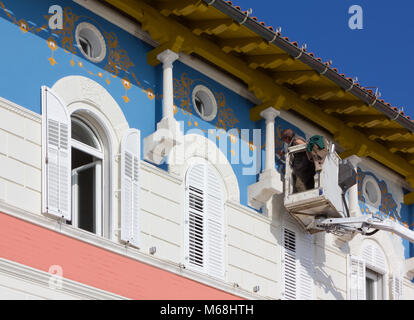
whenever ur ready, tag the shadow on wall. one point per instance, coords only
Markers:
(323, 279)
(320, 276)
(326, 282)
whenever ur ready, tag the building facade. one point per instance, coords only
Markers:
(137, 159)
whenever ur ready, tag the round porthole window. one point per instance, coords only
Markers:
(371, 190)
(204, 103)
(90, 42)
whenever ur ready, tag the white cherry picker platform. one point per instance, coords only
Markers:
(324, 208)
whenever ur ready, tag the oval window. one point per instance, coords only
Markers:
(204, 103)
(90, 42)
(371, 190)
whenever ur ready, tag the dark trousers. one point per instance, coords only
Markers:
(303, 173)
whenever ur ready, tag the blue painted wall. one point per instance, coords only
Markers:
(407, 214)
(390, 207)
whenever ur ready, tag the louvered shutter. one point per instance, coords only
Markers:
(374, 258)
(56, 156)
(356, 278)
(215, 224)
(205, 221)
(396, 287)
(195, 218)
(305, 274)
(130, 187)
(289, 265)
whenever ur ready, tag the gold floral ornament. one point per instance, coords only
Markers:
(118, 58)
(67, 32)
(127, 85)
(51, 42)
(24, 27)
(252, 147)
(226, 118)
(150, 94)
(22, 24)
(182, 90)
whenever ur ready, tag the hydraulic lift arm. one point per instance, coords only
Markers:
(366, 225)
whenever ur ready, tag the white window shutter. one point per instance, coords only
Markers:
(289, 266)
(130, 187)
(56, 156)
(356, 278)
(374, 258)
(215, 224)
(305, 273)
(205, 243)
(396, 287)
(195, 224)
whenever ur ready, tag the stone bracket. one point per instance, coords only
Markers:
(159, 144)
(269, 184)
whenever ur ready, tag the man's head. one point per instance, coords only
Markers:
(287, 135)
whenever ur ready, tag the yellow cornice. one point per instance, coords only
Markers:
(166, 31)
(409, 199)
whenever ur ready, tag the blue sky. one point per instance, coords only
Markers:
(381, 55)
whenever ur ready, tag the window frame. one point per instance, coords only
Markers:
(99, 40)
(212, 100)
(378, 281)
(98, 164)
(92, 121)
(377, 190)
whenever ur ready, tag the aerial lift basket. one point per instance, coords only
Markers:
(325, 200)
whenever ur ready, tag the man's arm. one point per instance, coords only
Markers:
(299, 141)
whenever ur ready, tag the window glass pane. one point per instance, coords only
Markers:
(82, 133)
(86, 204)
(369, 289)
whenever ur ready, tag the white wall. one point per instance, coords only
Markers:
(20, 157)
(19, 282)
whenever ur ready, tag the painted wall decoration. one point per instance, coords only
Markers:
(118, 63)
(390, 206)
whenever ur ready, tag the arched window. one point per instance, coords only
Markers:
(87, 176)
(367, 277)
(78, 163)
(76, 166)
(204, 221)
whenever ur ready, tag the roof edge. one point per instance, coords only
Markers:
(300, 54)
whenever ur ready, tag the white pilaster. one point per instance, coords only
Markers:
(270, 182)
(167, 58)
(158, 145)
(269, 115)
(354, 209)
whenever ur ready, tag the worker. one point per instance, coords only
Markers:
(302, 168)
(317, 151)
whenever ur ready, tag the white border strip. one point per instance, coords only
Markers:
(41, 278)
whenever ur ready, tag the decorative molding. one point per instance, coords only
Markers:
(41, 278)
(21, 111)
(73, 89)
(198, 146)
(385, 173)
